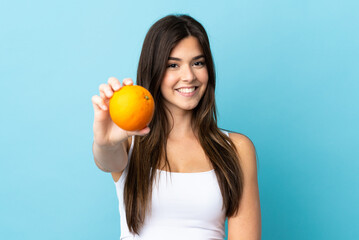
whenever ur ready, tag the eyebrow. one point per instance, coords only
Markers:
(178, 59)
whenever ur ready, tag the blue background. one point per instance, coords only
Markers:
(287, 74)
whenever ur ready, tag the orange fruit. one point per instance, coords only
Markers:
(132, 107)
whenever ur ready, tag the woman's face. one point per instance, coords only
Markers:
(186, 76)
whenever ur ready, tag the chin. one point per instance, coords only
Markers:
(189, 107)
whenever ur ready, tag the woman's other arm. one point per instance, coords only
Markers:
(247, 223)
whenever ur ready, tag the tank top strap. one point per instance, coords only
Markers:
(225, 132)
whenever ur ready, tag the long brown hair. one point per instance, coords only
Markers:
(161, 38)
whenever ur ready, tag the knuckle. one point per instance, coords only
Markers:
(95, 99)
(111, 80)
(106, 88)
(102, 87)
(127, 81)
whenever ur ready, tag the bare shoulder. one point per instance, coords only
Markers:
(246, 151)
(116, 175)
(242, 141)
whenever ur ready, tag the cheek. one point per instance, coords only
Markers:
(166, 86)
(168, 83)
(163, 90)
(169, 79)
(204, 77)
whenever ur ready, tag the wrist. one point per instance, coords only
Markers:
(107, 147)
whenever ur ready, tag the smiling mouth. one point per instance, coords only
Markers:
(187, 90)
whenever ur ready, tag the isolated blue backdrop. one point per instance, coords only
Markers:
(287, 78)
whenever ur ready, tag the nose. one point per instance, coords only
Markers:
(187, 73)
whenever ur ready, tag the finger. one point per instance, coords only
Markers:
(127, 81)
(114, 83)
(98, 103)
(107, 90)
(102, 95)
(142, 132)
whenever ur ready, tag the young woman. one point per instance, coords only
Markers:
(181, 176)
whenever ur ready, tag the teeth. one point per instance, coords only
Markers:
(186, 90)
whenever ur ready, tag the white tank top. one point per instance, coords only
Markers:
(184, 206)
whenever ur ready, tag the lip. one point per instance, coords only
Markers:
(187, 94)
(187, 87)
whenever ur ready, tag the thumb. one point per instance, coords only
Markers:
(144, 131)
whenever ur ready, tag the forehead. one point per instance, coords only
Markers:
(187, 47)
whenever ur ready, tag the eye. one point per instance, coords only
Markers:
(172, 65)
(199, 63)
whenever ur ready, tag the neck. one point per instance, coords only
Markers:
(181, 124)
